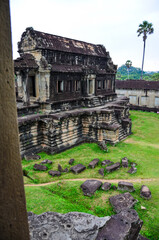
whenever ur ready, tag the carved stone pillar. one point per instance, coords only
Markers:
(13, 216)
(26, 93)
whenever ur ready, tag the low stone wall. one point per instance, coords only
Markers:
(59, 131)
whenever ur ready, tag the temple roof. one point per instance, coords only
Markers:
(137, 84)
(54, 42)
(25, 61)
(66, 68)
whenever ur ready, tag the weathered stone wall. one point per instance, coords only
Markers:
(59, 131)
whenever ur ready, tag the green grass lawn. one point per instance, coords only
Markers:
(142, 147)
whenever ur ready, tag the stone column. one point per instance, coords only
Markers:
(26, 86)
(13, 216)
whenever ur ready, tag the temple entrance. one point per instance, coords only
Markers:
(32, 88)
(91, 86)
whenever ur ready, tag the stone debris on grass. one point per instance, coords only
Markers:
(90, 186)
(113, 167)
(40, 167)
(78, 168)
(54, 173)
(132, 170)
(101, 171)
(32, 157)
(46, 161)
(93, 163)
(125, 162)
(122, 201)
(126, 186)
(65, 170)
(60, 169)
(145, 192)
(106, 163)
(124, 225)
(106, 186)
(71, 161)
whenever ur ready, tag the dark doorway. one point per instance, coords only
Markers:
(32, 88)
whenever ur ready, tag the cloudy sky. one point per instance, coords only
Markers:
(112, 23)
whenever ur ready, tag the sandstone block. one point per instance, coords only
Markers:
(132, 170)
(90, 186)
(101, 171)
(54, 173)
(113, 167)
(145, 192)
(125, 162)
(46, 161)
(78, 168)
(106, 186)
(106, 163)
(93, 163)
(40, 167)
(32, 157)
(122, 201)
(126, 186)
(71, 161)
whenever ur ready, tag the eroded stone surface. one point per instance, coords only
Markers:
(106, 163)
(126, 186)
(113, 167)
(125, 162)
(106, 186)
(122, 201)
(46, 161)
(78, 168)
(145, 192)
(70, 226)
(40, 167)
(93, 163)
(54, 173)
(122, 226)
(90, 186)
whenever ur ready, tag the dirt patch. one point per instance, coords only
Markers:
(137, 180)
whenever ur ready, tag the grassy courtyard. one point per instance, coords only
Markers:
(142, 147)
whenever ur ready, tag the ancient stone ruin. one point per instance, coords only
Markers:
(66, 94)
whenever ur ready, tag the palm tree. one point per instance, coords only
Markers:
(128, 64)
(145, 28)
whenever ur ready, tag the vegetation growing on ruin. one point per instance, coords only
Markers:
(64, 196)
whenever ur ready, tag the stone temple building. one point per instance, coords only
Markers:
(66, 94)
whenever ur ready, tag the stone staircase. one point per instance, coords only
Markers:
(96, 102)
(122, 133)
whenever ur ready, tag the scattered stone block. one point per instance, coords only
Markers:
(32, 157)
(125, 162)
(71, 161)
(101, 171)
(106, 162)
(126, 186)
(106, 186)
(65, 170)
(145, 192)
(93, 163)
(78, 168)
(60, 169)
(113, 167)
(54, 173)
(132, 170)
(122, 201)
(133, 164)
(90, 186)
(124, 225)
(40, 167)
(46, 161)
(103, 146)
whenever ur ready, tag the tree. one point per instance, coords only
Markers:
(128, 64)
(145, 28)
